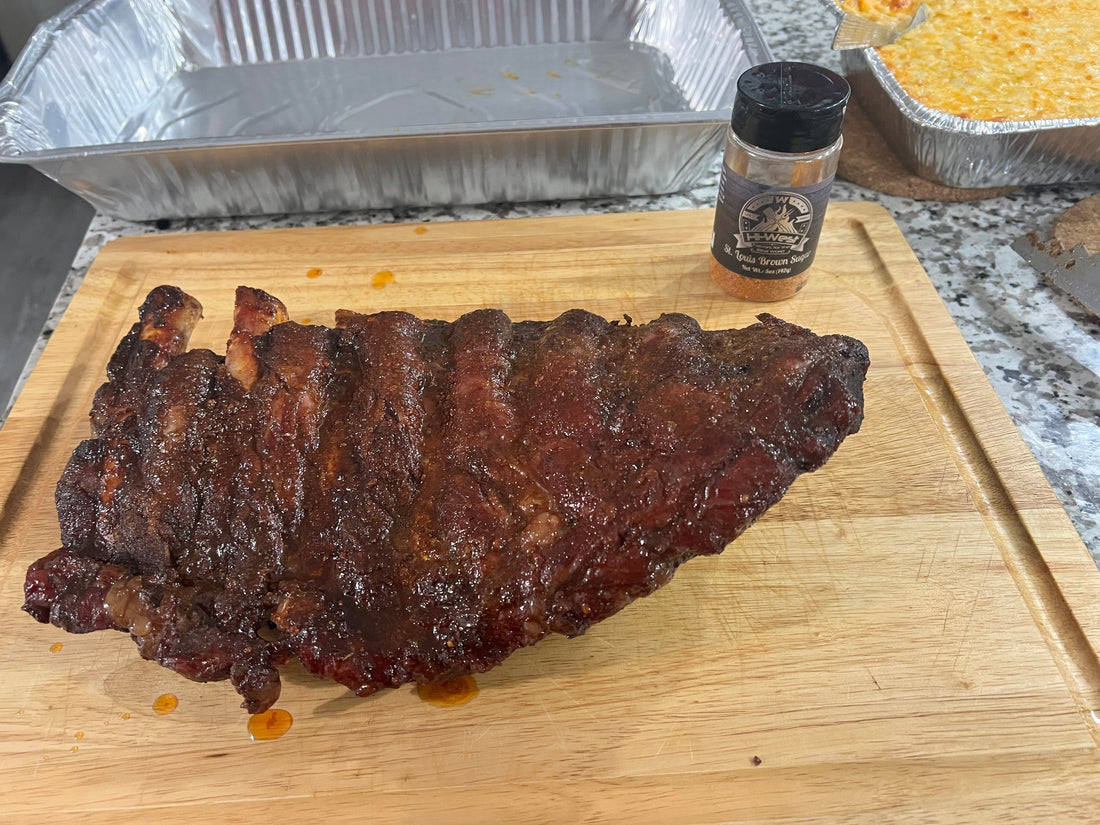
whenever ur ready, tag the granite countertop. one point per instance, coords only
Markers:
(1039, 350)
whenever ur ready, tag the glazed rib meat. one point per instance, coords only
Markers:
(396, 500)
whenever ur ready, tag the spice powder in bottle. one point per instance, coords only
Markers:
(782, 147)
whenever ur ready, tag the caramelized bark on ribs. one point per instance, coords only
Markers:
(397, 500)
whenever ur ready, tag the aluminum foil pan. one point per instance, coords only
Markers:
(972, 153)
(167, 108)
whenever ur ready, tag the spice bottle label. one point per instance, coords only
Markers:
(767, 232)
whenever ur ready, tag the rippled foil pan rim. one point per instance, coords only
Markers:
(649, 135)
(702, 118)
(965, 153)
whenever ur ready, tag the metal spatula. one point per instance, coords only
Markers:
(855, 32)
(1074, 271)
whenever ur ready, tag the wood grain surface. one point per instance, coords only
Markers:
(909, 636)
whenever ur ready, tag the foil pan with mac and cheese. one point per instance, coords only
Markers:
(986, 92)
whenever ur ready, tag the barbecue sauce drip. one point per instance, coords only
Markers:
(271, 724)
(382, 278)
(449, 694)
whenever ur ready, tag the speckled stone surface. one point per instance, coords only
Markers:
(1040, 351)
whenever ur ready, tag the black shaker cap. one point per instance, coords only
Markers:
(789, 107)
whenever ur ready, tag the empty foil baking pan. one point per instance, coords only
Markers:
(166, 108)
(972, 153)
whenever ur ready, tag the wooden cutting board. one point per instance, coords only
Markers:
(910, 635)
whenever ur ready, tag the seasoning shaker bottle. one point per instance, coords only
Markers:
(782, 147)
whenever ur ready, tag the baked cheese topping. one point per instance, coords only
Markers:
(996, 59)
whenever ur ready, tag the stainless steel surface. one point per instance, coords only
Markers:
(1074, 271)
(855, 32)
(41, 226)
(221, 107)
(18, 19)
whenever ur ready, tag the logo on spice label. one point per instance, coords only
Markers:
(775, 223)
(767, 232)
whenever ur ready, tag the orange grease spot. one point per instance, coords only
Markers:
(420, 230)
(78, 735)
(271, 724)
(511, 75)
(56, 648)
(314, 273)
(449, 694)
(382, 278)
(165, 703)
